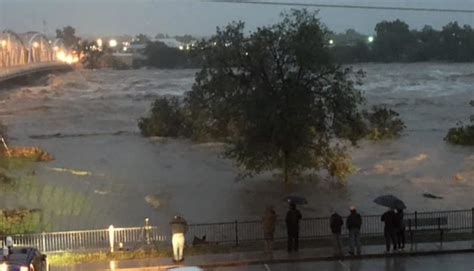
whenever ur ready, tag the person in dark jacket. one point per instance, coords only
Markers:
(293, 217)
(353, 224)
(336, 224)
(390, 229)
(268, 224)
(400, 229)
(179, 227)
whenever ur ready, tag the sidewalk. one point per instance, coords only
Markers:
(252, 258)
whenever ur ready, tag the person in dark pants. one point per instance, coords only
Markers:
(400, 229)
(293, 217)
(390, 229)
(353, 224)
(336, 223)
(268, 223)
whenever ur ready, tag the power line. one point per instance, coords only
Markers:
(272, 3)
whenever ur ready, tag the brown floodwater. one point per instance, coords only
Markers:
(106, 173)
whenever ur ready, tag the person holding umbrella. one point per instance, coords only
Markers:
(400, 229)
(390, 229)
(293, 217)
(393, 222)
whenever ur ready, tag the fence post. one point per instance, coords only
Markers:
(111, 238)
(43, 245)
(472, 220)
(472, 227)
(147, 230)
(416, 222)
(236, 225)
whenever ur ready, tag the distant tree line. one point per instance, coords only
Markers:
(394, 41)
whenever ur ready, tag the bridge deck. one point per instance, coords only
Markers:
(19, 71)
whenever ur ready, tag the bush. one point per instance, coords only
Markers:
(167, 119)
(463, 134)
(383, 123)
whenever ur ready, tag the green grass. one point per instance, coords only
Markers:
(16, 163)
(68, 258)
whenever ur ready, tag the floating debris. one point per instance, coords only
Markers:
(431, 196)
(75, 172)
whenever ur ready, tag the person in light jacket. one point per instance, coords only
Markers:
(179, 227)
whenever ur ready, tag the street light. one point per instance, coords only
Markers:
(99, 42)
(331, 42)
(370, 39)
(35, 44)
(112, 43)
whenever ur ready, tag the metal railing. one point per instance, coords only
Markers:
(236, 232)
(314, 228)
(89, 239)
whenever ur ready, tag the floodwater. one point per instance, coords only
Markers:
(106, 173)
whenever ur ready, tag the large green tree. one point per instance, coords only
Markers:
(276, 95)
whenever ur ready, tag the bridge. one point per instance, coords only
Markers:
(30, 53)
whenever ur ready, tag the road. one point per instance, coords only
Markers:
(455, 262)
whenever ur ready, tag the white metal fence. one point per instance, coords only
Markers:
(89, 239)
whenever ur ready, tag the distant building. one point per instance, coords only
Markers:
(170, 42)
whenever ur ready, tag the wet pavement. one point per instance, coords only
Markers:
(373, 258)
(456, 262)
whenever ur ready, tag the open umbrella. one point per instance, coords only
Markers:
(296, 200)
(390, 201)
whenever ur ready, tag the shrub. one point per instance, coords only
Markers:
(167, 119)
(462, 134)
(383, 123)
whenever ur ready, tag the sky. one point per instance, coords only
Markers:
(200, 17)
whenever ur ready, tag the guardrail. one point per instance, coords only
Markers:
(236, 232)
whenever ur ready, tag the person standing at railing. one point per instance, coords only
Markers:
(353, 224)
(179, 227)
(400, 229)
(293, 217)
(268, 224)
(390, 229)
(336, 224)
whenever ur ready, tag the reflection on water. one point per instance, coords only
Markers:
(104, 170)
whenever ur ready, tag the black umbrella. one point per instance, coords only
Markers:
(296, 200)
(390, 201)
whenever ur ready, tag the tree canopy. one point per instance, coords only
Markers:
(278, 95)
(68, 34)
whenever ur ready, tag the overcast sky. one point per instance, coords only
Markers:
(197, 17)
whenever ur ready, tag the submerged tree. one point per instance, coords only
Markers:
(462, 134)
(276, 95)
(383, 123)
